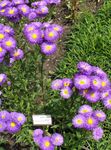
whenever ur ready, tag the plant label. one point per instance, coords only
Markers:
(42, 120)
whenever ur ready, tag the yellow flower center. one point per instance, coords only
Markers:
(6, 30)
(98, 115)
(85, 110)
(1, 49)
(110, 101)
(43, 10)
(95, 82)
(11, 11)
(92, 95)
(30, 28)
(66, 84)
(51, 34)
(85, 91)
(34, 36)
(1, 78)
(47, 143)
(3, 116)
(9, 43)
(103, 84)
(57, 139)
(82, 82)
(1, 36)
(48, 48)
(56, 28)
(12, 124)
(106, 94)
(2, 11)
(19, 118)
(0, 126)
(79, 121)
(16, 54)
(66, 92)
(23, 9)
(3, 4)
(90, 121)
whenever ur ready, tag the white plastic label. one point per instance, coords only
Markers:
(42, 120)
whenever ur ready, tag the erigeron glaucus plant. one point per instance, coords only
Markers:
(89, 119)
(14, 10)
(47, 142)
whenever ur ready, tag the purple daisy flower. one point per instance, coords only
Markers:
(90, 123)
(105, 93)
(100, 115)
(51, 35)
(46, 25)
(17, 54)
(4, 3)
(3, 79)
(67, 82)
(24, 10)
(57, 28)
(85, 110)
(4, 115)
(12, 127)
(32, 15)
(2, 52)
(18, 2)
(57, 139)
(34, 37)
(57, 84)
(105, 83)
(92, 96)
(66, 93)
(107, 102)
(19, 118)
(53, 1)
(38, 139)
(95, 83)
(46, 143)
(99, 72)
(37, 132)
(11, 12)
(2, 126)
(39, 3)
(84, 68)
(78, 121)
(29, 28)
(2, 36)
(37, 24)
(42, 11)
(48, 48)
(2, 12)
(97, 133)
(8, 30)
(81, 82)
(9, 44)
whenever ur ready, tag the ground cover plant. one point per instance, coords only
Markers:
(29, 90)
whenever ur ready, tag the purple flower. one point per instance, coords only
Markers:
(8, 30)
(51, 35)
(2, 52)
(84, 68)
(95, 82)
(37, 139)
(4, 3)
(100, 115)
(46, 143)
(78, 121)
(19, 118)
(81, 82)
(34, 37)
(3, 79)
(57, 84)
(99, 72)
(92, 96)
(9, 44)
(2, 126)
(97, 133)
(37, 132)
(67, 82)
(107, 102)
(4, 115)
(66, 93)
(17, 54)
(8, 83)
(57, 28)
(18, 2)
(90, 123)
(85, 110)
(105, 93)
(24, 10)
(53, 1)
(42, 11)
(11, 12)
(32, 15)
(57, 139)
(12, 127)
(105, 83)
(29, 28)
(2, 12)
(46, 25)
(48, 48)
(2, 36)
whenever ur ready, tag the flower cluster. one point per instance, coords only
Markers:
(8, 44)
(89, 119)
(64, 86)
(47, 142)
(11, 122)
(45, 35)
(16, 9)
(93, 84)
